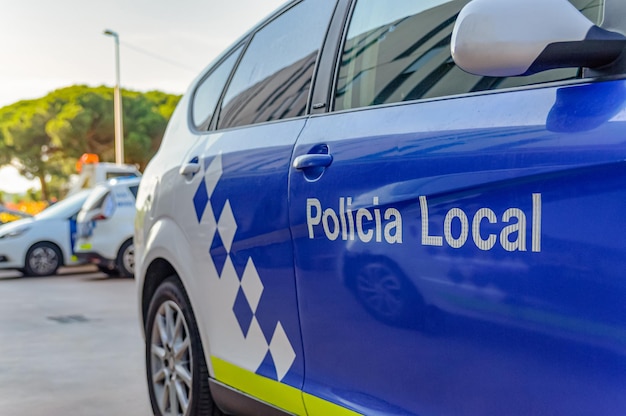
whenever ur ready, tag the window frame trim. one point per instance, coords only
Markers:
(323, 83)
(204, 127)
(339, 55)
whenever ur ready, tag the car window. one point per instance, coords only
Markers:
(96, 199)
(108, 205)
(210, 89)
(273, 79)
(592, 9)
(112, 175)
(400, 51)
(133, 190)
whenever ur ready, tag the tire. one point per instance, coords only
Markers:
(171, 373)
(108, 272)
(42, 259)
(125, 261)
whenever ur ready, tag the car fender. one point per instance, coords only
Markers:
(159, 245)
(57, 238)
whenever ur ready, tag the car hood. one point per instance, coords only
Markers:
(15, 225)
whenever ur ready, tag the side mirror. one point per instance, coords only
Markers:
(502, 38)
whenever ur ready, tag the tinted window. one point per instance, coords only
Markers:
(592, 9)
(111, 175)
(400, 50)
(210, 89)
(96, 199)
(273, 79)
(133, 190)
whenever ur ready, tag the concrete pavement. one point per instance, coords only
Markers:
(70, 345)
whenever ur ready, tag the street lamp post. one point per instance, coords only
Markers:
(117, 102)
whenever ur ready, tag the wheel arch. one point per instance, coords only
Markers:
(159, 270)
(119, 248)
(165, 251)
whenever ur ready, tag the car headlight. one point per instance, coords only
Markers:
(14, 232)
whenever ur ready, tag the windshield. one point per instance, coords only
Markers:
(592, 9)
(96, 199)
(65, 208)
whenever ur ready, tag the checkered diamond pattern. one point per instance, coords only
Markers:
(218, 253)
(252, 285)
(243, 312)
(227, 227)
(282, 351)
(200, 200)
(213, 174)
(274, 352)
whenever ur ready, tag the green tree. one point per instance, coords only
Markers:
(84, 122)
(144, 125)
(44, 138)
(25, 141)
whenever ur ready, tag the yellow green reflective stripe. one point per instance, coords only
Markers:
(273, 392)
(270, 391)
(317, 406)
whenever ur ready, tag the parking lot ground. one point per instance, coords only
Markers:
(70, 345)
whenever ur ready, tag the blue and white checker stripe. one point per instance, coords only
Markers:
(235, 334)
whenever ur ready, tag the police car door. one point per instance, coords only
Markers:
(458, 254)
(237, 179)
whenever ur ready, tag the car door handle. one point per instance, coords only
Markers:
(312, 161)
(188, 170)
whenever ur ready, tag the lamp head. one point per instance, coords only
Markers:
(109, 32)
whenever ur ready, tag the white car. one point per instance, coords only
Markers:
(105, 227)
(38, 246)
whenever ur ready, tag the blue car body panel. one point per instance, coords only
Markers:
(409, 238)
(464, 256)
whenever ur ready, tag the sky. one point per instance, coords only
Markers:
(164, 45)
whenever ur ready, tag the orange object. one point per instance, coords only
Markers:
(85, 159)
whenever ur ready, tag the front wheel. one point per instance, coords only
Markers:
(178, 380)
(42, 259)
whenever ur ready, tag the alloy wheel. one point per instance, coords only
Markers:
(43, 260)
(172, 360)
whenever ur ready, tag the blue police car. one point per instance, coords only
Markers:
(394, 207)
